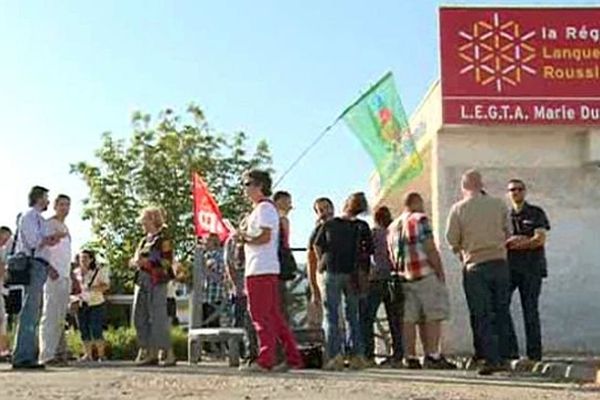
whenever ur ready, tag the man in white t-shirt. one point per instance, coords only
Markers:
(261, 241)
(56, 291)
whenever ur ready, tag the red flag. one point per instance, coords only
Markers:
(207, 216)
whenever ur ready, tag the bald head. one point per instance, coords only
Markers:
(471, 181)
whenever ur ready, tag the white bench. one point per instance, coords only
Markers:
(232, 336)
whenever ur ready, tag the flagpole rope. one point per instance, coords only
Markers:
(327, 129)
(308, 149)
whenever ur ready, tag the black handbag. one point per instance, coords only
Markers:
(18, 269)
(18, 265)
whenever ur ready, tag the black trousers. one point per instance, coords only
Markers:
(487, 288)
(530, 287)
(389, 293)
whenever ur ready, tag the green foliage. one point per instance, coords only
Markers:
(121, 343)
(74, 342)
(154, 167)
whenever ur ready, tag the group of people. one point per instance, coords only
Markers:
(397, 263)
(352, 269)
(55, 286)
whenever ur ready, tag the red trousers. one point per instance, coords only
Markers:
(264, 307)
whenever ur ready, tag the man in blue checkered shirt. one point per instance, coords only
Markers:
(214, 285)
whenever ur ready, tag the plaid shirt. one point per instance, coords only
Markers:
(214, 287)
(407, 245)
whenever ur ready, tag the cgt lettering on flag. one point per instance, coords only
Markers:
(207, 216)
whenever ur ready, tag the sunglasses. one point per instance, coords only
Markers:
(516, 189)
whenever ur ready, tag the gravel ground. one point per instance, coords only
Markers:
(217, 382)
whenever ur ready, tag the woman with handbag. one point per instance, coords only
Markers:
(153, 260)
(93, 283)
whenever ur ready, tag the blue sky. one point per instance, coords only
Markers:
(279, 71)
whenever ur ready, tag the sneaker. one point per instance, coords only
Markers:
(488, 369)
(31, 366)
(474, 363)
(411, 363)
(56, 362)
(149, 357)
(335, 364)
(281, 367)
(437, 363)
(253, 367)
(358, 362)
(167, 359)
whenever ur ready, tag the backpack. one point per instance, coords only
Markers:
(287, 262)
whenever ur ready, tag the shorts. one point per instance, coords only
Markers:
(426, 300)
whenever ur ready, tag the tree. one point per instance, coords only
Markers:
(154, 168)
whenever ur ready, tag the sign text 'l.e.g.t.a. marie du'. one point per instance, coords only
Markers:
(520, 66)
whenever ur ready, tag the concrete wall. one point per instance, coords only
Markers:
(552, 163)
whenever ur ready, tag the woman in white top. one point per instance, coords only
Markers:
(94, 283)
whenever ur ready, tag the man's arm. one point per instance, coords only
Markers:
(311, 268)
(434, 259)
(453, 232)
(229, 260)
(31, 232)
(539, 235)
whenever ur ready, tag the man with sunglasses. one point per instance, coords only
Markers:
(527, 261)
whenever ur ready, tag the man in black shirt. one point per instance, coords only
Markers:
(527, 261)
(344, 246)
(324, 211)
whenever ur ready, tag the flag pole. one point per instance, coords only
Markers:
(329, 128)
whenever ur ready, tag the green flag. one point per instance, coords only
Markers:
(379, 121)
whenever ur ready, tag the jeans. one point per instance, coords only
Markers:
(530, 288)
(335, 286)
(380, 291)
(487, 288)
(265, 311)
(242, 320)
(26, 344)
(91, 322)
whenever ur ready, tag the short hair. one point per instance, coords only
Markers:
(5, 229)
(62, 197)
(356, 203)
(323, 200)
(518, 182)
(156, 214)
(262, 179)
(410, 198)
(383, 216)
(92, 255)
(472, 180)
(280, 194)
(36, 193)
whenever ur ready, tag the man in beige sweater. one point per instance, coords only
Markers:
(477, 230)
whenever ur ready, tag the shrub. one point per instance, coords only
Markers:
(121, 343)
